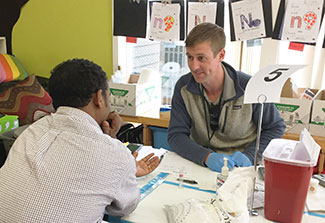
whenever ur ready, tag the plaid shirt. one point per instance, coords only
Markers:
(64, 169)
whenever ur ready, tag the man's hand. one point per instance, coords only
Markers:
(240, 159)
(112, 125)
(215, 161)
(146, 165)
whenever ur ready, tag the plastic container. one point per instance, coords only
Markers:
(159, 137)
(287, 178)
(222, 177)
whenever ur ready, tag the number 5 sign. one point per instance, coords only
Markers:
(266, 85)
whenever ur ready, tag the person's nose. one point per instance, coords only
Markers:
(194, 64)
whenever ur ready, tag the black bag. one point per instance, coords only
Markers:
(131, 134)
(3, 154)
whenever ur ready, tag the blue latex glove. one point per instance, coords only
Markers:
(240, 159)
(215, 161)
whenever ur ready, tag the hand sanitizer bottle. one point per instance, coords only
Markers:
(221, 177)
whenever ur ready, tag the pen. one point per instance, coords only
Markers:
(162, 156)
(188, 181)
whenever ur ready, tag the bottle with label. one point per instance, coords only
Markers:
(221, 177)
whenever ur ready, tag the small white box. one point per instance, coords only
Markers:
(317, 124)
(294, 110)
(138, 96)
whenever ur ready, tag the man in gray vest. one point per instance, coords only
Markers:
(209, 120)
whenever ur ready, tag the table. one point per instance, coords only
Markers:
(163, 121)
(151, 208)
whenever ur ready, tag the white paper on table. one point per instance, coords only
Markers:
(302, 20)
(248, 19)
(146, 150)
(268, 82)
(315, 200)
(164, 24)
(172, 163)
(199, 12)
(233, 194)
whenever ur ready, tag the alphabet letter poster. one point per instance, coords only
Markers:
(248, 19)
(164, 24)
(302, 20)
(199, 12)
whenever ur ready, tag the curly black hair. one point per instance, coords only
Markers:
(73, 82)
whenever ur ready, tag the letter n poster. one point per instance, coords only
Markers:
(248, 19)
(164, 23)
(199, 12)
(302, 20)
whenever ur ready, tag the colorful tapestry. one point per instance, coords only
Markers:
(11, 69)
(27, 99)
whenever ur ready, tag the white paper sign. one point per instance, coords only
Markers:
(199, 12)
(164, 25)
(266, 85)
(302, 20)
(248, 19)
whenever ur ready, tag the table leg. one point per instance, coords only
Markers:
(147, 136)
(321, 161)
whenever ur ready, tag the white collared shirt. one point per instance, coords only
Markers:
(63, 168)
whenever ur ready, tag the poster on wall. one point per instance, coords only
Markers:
(199, 12)
(219, 12)
(279, 23)
(302, 20)
(165, 22)
(250, 19)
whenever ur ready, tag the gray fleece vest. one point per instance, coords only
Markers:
(228, 138)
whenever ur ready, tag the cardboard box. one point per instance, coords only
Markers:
(140, 94)
(294, 110)
(8, 122)
(317, 123)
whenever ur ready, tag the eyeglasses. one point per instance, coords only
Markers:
(214, 113)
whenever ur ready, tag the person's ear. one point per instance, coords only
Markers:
(98, 98)
(222, 54)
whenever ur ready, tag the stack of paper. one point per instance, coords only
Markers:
(146, 150)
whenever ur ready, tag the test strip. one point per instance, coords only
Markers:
(152, 185)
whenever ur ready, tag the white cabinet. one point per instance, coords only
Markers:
(3, 47)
